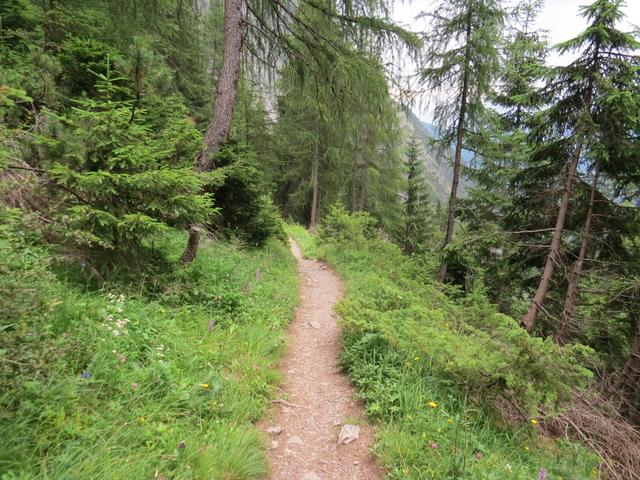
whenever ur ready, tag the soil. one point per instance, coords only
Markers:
(316, 398)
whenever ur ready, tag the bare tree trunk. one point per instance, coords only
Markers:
(314, 189)
(191, 250)
(354, 182)
(451, 215)
(227, 89)
(529, 320)
(223, 105)
(363, 185)
(574, 278)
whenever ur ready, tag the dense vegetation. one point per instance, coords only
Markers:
(514, 309)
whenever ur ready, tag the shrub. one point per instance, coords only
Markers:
(465, 340)
(245, 210)
(121, 189)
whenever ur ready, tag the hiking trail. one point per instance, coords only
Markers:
(317, 404)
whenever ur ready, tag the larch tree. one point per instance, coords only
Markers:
(276, 29)
(463, 59)
(571, 128)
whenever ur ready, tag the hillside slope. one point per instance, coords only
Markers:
(438, 168)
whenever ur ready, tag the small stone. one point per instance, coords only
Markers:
(294, 440)
(274, 430)
(337, 423)
(274, 444)
(348, 433)
(310, 476)
(356, 462)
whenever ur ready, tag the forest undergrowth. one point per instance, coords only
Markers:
(156, 376)
(453, 386)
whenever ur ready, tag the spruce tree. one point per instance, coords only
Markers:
(569, 130)
(416, 202)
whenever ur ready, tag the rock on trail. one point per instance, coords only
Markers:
(314, 414)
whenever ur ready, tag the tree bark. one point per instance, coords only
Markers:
(191, 250)
(354, 180)
(314, 189)
(363, 185)
(529, 320)
(451, 215)
(562, 331)
(227, 88)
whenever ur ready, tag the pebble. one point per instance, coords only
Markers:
(348, 433)
(274, 430)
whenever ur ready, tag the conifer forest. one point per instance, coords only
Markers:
(307, 240)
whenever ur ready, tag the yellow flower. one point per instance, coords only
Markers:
(450, 421)
(204, 385)
(526, 449)
(417, 358)
(534, 421)
(432, 404)
(142, 420)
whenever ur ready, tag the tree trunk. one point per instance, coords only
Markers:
(191, 250)
(627, 385)
(314, 189)
(223, 105)
(227, 88)
(451, 215)
(574, 278)
(363, 185)
(354, 181)
(529, 320)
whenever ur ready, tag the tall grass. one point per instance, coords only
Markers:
(160, 379)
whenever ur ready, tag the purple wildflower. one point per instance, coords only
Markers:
(86, 375)
(182, 444)
(542, 474)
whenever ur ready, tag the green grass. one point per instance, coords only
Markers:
(136, 382)
(418, 359)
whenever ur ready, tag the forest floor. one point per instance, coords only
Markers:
(316, 414)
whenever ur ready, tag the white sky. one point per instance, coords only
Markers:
(560, 18)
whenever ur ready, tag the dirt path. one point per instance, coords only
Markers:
(317, 400)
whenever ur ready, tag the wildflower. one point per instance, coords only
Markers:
(433, 445)
(526, 449)
(142, 420)
(432, 404)
(534, 422)
(182, 444)
(450, 421)
(508, 466)
(479, 455)
(417, 358)
(205, 386)
(86, 375)
(134, 386)
(542, 474)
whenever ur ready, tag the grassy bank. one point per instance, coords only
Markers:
(159, 376)
(454, 386)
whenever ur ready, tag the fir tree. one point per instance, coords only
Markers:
(570, 127)
(416, 203)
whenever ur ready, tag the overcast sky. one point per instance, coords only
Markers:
(560, 18)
